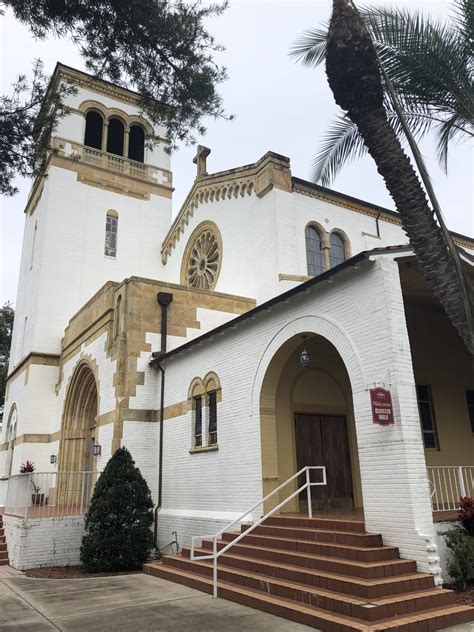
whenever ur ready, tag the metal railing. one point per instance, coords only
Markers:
(47, 494)
(216, 554)
(448, 483)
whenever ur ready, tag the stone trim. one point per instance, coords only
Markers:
(299, 278)
(35, 357)
(272, 170)
(206, 448)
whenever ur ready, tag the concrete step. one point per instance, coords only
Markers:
(348, 552)
(325, 524)
(318, 535)
(338, 565)
(306, 614)
(364, 588)
(336, 602)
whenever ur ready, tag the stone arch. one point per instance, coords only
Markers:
(318, 325)
(10, 436)
(79, 420)
(325, 392)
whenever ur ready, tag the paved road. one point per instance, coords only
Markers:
(128, 603)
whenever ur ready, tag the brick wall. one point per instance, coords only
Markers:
(37, 542)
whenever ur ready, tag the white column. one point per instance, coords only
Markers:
(392, 461)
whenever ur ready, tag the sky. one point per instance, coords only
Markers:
(278, 105)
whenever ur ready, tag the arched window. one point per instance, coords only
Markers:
(115, 136)
(203, 397)
(136, 143)
(111, 229)
(337, 250)
(94, 126)
(314, 251)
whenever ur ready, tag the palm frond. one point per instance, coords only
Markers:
(446, 131)
(310, 48)
(340, 145)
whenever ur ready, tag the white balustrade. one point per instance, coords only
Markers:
(448, 484)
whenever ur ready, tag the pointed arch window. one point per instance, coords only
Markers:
(111, 232)
(314, 251)
(115, 136)
(94, 129)
(136, 143)
(337, 250)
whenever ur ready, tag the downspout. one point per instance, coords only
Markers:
(164, 299)
(377, 223)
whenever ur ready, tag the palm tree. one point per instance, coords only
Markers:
(354, 76)
(429, 64)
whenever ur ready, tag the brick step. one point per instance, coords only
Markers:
(346, 551)
(336, 602)
(337, 565)
(318, 535)
(312, 616)
(326, 524)
(3, 546)
(365, 588)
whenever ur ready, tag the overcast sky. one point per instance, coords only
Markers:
(279, 106)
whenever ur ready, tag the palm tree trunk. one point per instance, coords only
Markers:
(353, 73)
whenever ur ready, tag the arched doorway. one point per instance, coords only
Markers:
(78, 436)
(10, 436)
(306, 418)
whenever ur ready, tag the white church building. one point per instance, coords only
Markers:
(274, 324)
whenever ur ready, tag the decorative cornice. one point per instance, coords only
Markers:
(272, 170)
(365, 208)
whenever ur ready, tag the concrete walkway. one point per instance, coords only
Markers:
(128, 603)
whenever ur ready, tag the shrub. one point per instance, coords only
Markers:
(461, 562)
(466, 514)
(118, 524)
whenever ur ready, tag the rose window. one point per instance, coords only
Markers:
(203, 263)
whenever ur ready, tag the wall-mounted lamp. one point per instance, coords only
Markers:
(97, 449)
(305, 357)
(53, 459)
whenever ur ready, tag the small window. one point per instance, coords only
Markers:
(94, 126)
(427, 417)
(136, 143)
(111, 228)
(115, 137)
(33, 246)
(213, 418)
(470, 407)
(198, 421)
(337, 250)
(314, 251)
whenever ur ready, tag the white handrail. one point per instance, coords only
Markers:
(216, 554)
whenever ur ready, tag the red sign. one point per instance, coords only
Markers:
(382, 409)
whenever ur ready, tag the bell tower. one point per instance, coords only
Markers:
(100, 213)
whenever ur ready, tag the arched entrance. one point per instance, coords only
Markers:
(10, 436)
(79, 422)
(307, 418)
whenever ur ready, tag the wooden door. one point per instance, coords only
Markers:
(322, 440)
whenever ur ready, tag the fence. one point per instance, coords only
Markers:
(43, 494)
(448, 484)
